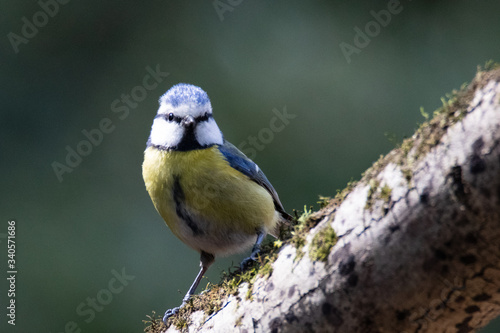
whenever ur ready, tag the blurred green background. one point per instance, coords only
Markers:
(254, 57)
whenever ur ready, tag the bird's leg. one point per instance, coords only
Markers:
(255, 251)
(206, 259)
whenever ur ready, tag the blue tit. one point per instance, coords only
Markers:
(211, 195)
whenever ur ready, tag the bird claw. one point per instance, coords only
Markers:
(169, 313)
(246, 263)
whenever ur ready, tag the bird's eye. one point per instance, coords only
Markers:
(170, 116)
(206, 115)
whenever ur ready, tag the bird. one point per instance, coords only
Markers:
(211, 195)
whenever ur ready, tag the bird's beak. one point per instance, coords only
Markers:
(188, 121)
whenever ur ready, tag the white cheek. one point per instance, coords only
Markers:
(208, 133)
(166, 134)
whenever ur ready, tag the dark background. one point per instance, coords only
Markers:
(259, 56)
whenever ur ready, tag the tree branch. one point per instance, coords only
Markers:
(418, 240)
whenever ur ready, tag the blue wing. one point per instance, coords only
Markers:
(246, 166)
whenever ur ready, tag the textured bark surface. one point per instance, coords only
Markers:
(418, 247)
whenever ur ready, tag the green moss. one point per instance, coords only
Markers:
(300, 231)
(181, 324)
(341, 195)
(429, 133)
(299, 254)
(407, 173)
(302, 220)
(370, 199)
(248, 295)
(385, 193)
(423, 113)
(322, 244)
(378, 193)
(308, 219)
(298, 240)
(490, 65)
(239, 321)
(267, 269)
(323, 201)
(406, 146)
(453, 110)
(155, 324)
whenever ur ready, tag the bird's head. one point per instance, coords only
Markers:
(184, 120)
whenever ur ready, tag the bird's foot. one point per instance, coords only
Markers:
(169, 313)
(247, 262)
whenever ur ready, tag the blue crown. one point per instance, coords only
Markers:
(183, 93)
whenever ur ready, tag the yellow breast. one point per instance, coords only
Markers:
(205, 202)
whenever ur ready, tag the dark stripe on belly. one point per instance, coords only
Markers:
(179, 199)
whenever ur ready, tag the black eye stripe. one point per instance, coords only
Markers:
(167, 117)
(205, 117)
(178, 119)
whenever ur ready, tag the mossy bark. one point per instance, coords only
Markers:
(419, 253)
